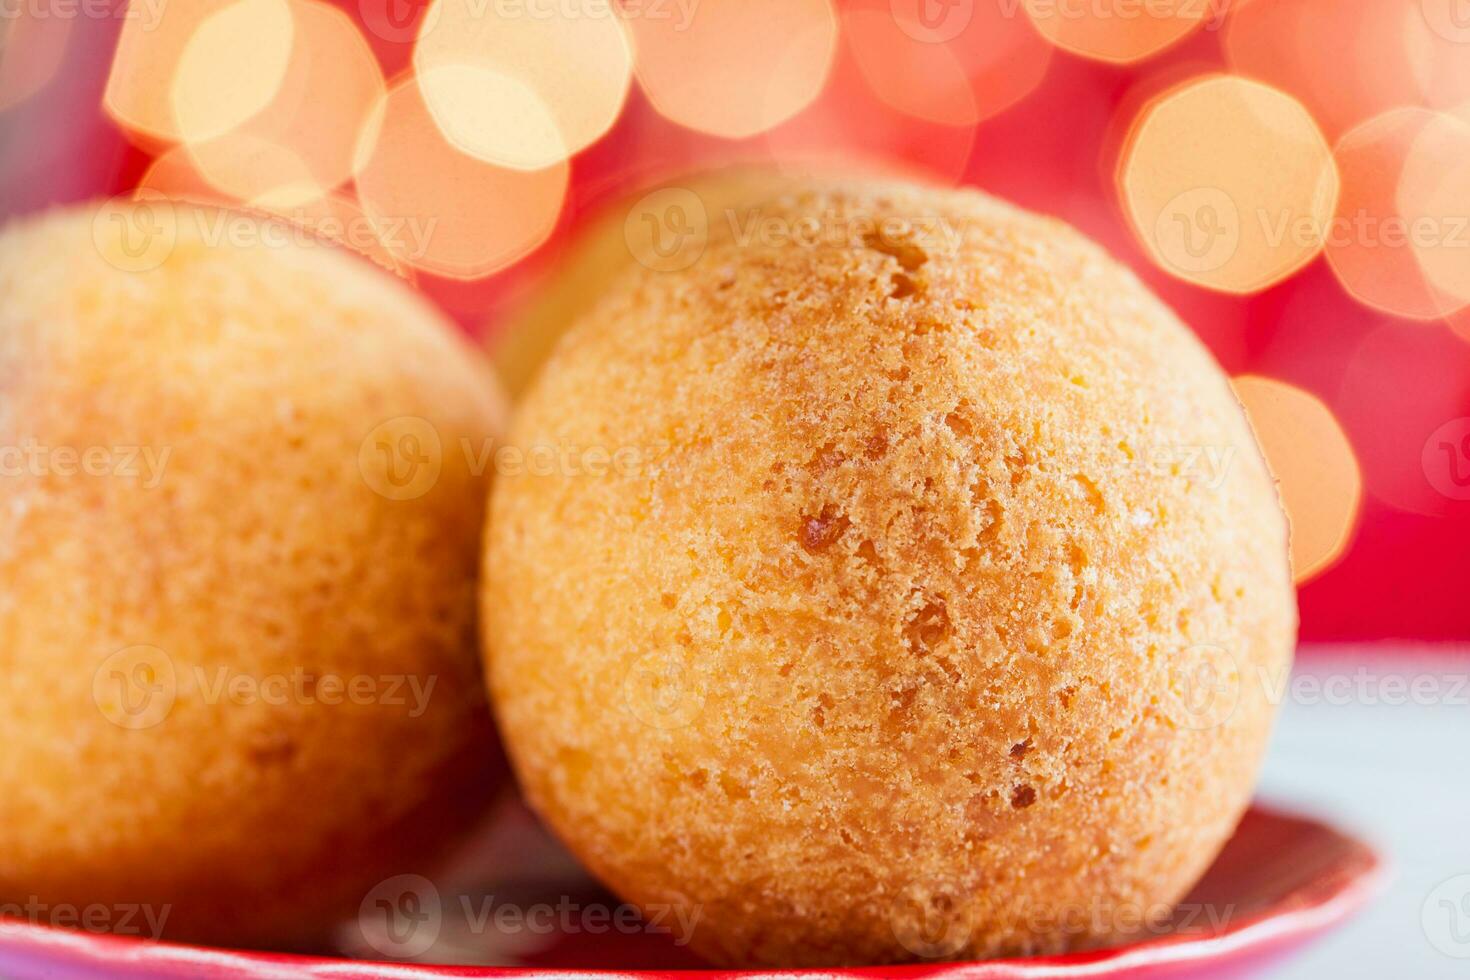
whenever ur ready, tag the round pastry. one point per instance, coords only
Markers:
(238, 552)
(873, 602)
(665, 226)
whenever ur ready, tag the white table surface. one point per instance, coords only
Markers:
(1391, 762)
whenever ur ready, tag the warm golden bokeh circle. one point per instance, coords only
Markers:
(231, 67)
(138, 85)
(268, 96)
(523, 85)
(1374, 245)
(1120, 31)
(335, 217)
(141, 86)
(453, 215)
(246, 167)
(1434, 186)
(1442, 53)
(1315, 468)
(492, 116)
(1346, 60)
(734, 68)
(957, 72)
(1228, 183)
(301, 144)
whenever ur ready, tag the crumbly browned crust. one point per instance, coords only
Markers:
(712, 203)
(881, 644)
(263, 812)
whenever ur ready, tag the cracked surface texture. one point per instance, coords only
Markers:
(903, 622)
(170, 733)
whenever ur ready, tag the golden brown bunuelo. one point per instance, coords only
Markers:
(236, 607)
(901, 626)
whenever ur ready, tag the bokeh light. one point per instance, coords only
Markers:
(1346, 61)
(243, 167)
(231, 67)
(335, 216)
(1399, 385)
(1434, 187)
(32, 48)
(173, 175)
(1371, 247)
(1334, 127)
(1120, 31)
(138, 96)
(523, 85)
(1228, 183)
(302, 143)
(829, 132)
(445, 211)
(1316, 471)
(734, 68)
(1443, 57)
(492, 117)
(955, 72)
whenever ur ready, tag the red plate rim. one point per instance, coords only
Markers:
(1309, 909)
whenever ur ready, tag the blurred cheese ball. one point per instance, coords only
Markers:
(666, 225)
(911, 624)
(238, 550)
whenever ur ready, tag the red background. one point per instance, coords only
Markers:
(1390, 382)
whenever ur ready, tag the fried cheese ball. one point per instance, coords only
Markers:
(896, 619)
(238, 555)
(667, 225)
